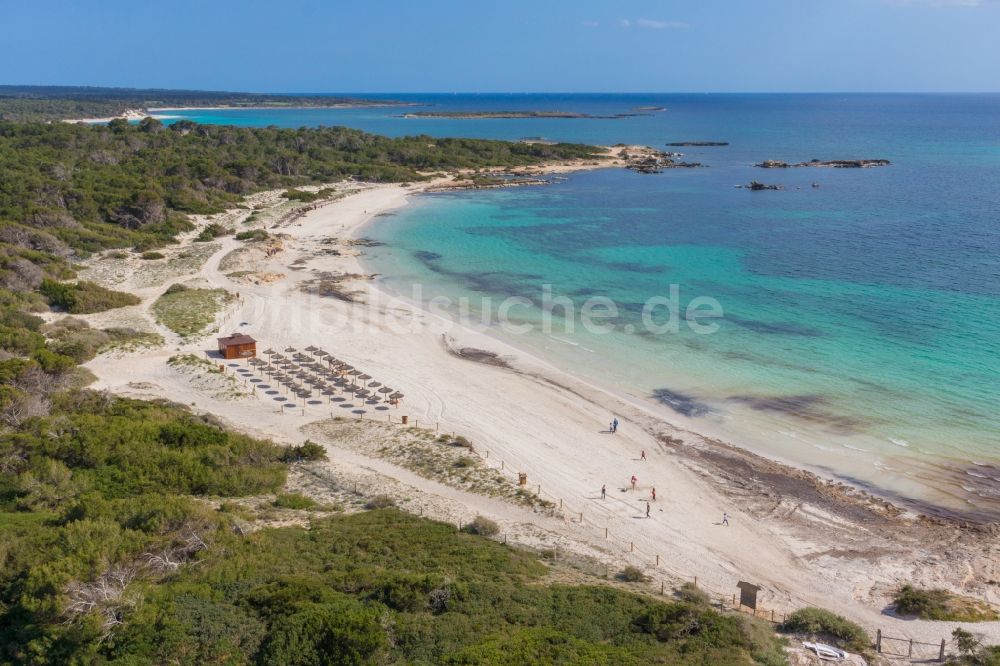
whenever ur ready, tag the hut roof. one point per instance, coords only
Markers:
(236, 339)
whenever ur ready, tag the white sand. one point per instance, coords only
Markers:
(546, 423)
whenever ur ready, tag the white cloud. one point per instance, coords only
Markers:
(625, 23)
(661, 25)
(591, 24)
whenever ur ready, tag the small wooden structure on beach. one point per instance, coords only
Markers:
(237, 345)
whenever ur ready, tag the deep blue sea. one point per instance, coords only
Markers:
(861, 327)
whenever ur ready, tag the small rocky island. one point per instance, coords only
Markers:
(833, 164)
(644, 159)
(757, 186)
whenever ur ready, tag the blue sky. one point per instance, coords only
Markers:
(504, 46)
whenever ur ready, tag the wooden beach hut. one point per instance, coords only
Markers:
(237, 345)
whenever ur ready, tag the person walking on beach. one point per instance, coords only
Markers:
(634, 480)
(725, 519)
(647, 509)
(642, 456)
(611, 428)
(604, 491)
(654, 494)
(614, 425)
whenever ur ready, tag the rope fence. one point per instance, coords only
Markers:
(594, 517)
(599, 521)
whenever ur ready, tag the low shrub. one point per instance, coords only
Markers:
(942, 605)
(306, 197)
(152, 255)
(305, 452)
(293, 501)
(830, 627)
(84, 297)
(211, 232)
(254, 235)
(632, 574)
(483, 527)
(692, 594)
(380, 502)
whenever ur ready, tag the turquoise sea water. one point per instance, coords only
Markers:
(861, 327)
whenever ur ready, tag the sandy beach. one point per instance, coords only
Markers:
(805, 540)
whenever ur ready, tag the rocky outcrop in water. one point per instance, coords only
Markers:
(650, 160)
(833, 164)
(756, 186)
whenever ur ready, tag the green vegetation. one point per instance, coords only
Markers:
(294, 501)
(302, 195)
(305, 452)
(384, 587)
(187, 311)
(24, 103)
(86, 188)
(84, 297)
(972, 652)
(942, 605)
(129, 339)
(693, 594)
(483, 527)
(254, 235)
(632, 574)
(152, 255)
(380, 502)
(829, 627)
(211, 232)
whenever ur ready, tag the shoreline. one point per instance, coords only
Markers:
(807, 542)
(914, 506)
(152, 111)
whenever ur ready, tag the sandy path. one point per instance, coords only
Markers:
(544, 422)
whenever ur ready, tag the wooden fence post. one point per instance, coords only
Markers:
(661, 587)
(696, 581)
(657, 560)
(909, 652)
(941, 654)
(878, 641)
(605, 532)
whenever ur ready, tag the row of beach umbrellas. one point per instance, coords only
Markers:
(318, 370)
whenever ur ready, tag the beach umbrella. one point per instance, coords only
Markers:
(320, 352)
(269, 351)
(311, 349)
(289, 349)
(365, 378)
(374, 384)
(385, 390)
